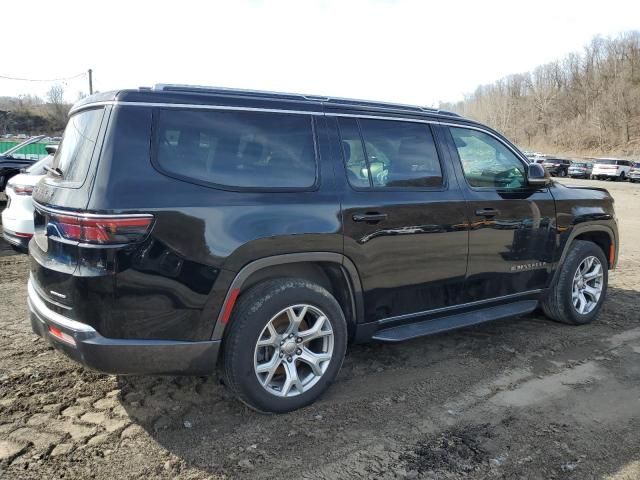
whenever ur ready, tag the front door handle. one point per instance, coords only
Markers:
(373, 217)
(487, 212)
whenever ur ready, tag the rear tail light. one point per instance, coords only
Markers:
(21, 189)
(102, 230)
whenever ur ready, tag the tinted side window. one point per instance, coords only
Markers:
(401, 154)
(486, 162)
(398, 154)
(237, 149)
(353, 152)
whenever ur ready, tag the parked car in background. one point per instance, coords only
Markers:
(180, 228)
(580, 169)
(17, 217)
(634, 172)
(11, 163)
(610, 168)
(557, 167)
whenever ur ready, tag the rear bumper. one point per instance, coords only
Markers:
(15, 239)
(85, 345)
(606, 174)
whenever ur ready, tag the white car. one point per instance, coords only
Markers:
(17, 217)
(604, 168)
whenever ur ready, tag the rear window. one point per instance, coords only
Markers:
(237, 149)
(76, 149)
(607, 162)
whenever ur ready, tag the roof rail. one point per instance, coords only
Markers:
(167, 87)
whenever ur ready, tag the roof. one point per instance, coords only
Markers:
(202, 95)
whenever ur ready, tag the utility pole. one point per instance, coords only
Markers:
(90, 82)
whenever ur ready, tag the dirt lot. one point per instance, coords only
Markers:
(523, 398)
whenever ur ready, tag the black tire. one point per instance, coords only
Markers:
(622, 177)
(252, 312)
(562, 173)
(558, 305)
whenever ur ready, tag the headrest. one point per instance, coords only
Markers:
(347, 151)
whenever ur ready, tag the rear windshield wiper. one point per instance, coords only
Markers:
(54, 171)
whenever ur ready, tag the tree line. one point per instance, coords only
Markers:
(586, 103)
(32, 115)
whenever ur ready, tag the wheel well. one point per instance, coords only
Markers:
(602, 239)
(329, 275)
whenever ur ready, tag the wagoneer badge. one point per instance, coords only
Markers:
(528, 266)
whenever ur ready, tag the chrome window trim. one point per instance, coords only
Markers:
(190, 106)
(39, 308)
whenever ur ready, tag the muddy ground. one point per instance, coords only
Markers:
(524, 398)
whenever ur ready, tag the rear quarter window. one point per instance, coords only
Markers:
(236, 149)
(73, 157)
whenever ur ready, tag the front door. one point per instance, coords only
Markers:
(405, 226)
(512, 230)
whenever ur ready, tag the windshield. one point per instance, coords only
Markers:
(38, 167)
(606, 162)
(579, 165)
(76, 149)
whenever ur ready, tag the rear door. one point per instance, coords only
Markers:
(512, 234)
(404, 218)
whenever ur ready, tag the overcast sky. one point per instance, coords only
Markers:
(414, 52)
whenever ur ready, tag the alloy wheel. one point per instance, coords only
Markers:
(588, 283)
(294, 350)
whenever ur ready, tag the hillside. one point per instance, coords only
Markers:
(587, 103)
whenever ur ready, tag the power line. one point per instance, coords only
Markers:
(6, 77)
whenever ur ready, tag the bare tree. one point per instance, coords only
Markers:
(58, 109)
(586, 102)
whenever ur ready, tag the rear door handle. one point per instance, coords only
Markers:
(373, 217)
(487, 212)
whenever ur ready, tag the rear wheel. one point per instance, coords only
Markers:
(622, 177)
(285, 345)
(580, 287)
(562, 173)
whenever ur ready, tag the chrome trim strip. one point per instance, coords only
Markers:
(89, 215)
(379, 117)
(300, 112)
(453, 308)
(38, 306)
(193, 107)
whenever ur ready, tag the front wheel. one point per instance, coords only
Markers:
(285, 345)
(562, 173)
(580, 287)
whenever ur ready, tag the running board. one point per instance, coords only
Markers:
(452, 322)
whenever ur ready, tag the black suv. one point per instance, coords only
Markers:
(183, 227)
(557, 167)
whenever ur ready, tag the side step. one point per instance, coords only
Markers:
(452, 322)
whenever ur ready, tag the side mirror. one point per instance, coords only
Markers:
(537, 175)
